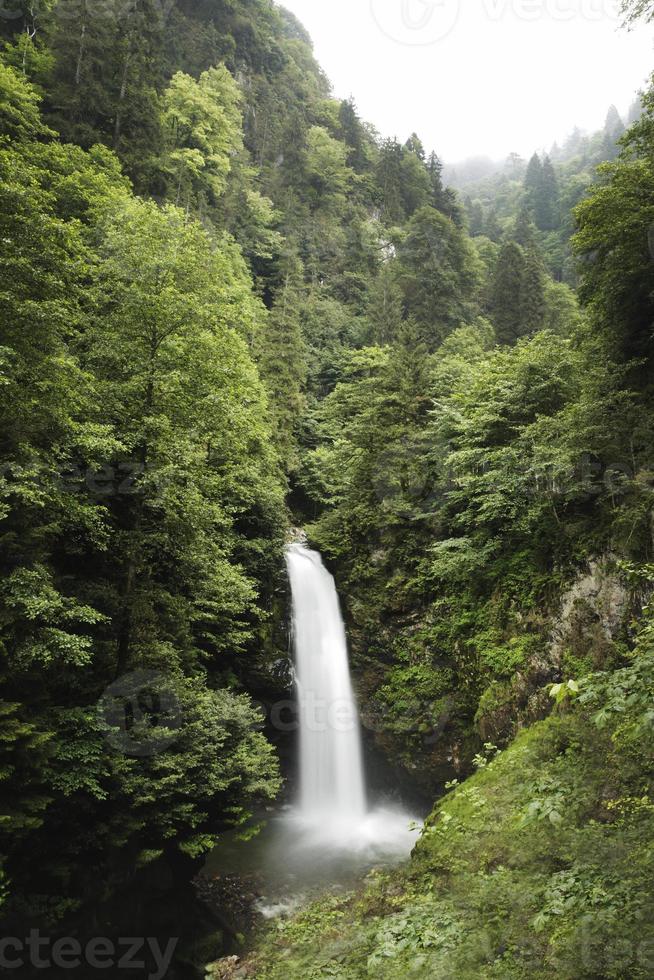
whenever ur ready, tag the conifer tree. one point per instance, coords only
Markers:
(548, 208)
(533, 181)
(283, 363)
(438, 273)
(524, 232)
(532, 292)
(435, 171)
(414, 145)
(408, 371)
(353, 134)
(389, 180)
(613, 130)
(507, 297)
(415, 187)
(541, 192)
(385, 308)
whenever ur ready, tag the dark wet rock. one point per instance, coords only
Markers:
(232, 899)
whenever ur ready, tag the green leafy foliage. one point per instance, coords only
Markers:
(294, 303)
(142, 520)
(536, 865)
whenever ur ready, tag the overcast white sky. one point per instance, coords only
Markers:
(479, 76)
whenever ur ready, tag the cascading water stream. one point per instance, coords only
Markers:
(332, 835)
(332, 809)
(331, 767)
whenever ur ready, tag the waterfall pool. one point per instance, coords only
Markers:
(333, 834)
(292, 859)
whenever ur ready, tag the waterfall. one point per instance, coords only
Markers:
(332, 787)
(332, 833)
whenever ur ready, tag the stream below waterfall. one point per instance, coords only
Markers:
(333, 834)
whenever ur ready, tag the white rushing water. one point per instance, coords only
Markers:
(331, 767)
(332, 806)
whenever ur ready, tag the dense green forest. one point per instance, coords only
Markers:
(547, 188)
(230, 307)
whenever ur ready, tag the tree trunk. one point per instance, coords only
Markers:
(80, 56)
(121, 99)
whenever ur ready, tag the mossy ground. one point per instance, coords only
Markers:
(539, 865)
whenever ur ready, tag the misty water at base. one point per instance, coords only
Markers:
(333, 834)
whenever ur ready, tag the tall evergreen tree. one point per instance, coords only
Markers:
(541, 192)
(438, 273)
(389, 181)
(532, 292)
(352, 132)
(533, 181)
(415, 145)
(283, 364)
(415, 178)
(435, 171)
(613, 130)
(384, 312)
(507, 298)
(107, 69)
(524, 232)
(548, 208)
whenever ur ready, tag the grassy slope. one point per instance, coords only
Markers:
(539, 865)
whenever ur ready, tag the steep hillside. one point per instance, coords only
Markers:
(540, 865)
(229, 306)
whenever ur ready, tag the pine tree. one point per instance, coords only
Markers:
(415, 179)
(352, 133)
(533, 181)
(414, 145)
(532, 292)
(507, 294)
(408, 371)
(389, 180)
(438, 273)
(549, 198)
(283, 363)
(613, 130)
(524, 232)
(541, 192)
(635, 111)
(435, 171)
(108, 66)
(385, 312)
(515, 164)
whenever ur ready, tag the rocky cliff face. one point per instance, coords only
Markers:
(593, 617)
(586, 633)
